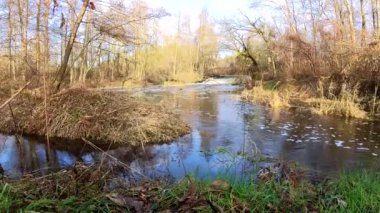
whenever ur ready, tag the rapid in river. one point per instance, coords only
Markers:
(229, 136)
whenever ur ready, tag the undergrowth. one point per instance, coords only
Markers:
(84, 190)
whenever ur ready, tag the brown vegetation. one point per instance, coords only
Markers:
(99, 116)
(324, 53)
(270, 97)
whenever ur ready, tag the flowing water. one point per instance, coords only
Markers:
(228, 136)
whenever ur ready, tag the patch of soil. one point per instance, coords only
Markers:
(102, 117)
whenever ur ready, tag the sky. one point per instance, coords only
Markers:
(218, 9)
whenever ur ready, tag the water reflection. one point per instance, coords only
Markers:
(223, 129)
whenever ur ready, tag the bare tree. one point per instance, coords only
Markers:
(23, 21)
(74, 30)
(12, 69)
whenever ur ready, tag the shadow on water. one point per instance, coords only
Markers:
(226, 134)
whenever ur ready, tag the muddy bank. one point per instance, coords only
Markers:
(102, 117)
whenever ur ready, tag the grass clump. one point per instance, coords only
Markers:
(357, 191)
(346, 106)
(269, 96)
(103, 117)
(80, 189)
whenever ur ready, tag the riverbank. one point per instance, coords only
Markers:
(279, 95)
(89, 189)
(101, 117)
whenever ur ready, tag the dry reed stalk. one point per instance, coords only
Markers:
(114, 158)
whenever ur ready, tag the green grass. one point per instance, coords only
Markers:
(255, 197)
(350, 192)
(13, 198)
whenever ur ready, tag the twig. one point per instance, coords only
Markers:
(114, 158)
(15, 123)
(14, 96)
(13, 117)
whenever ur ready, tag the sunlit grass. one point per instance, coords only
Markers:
(271, 97)
(346, 106)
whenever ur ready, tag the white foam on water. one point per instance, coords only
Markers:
(363, 148)
(339, 143)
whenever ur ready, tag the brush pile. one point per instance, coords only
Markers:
(102, 117)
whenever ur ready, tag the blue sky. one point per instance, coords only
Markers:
(217, 9)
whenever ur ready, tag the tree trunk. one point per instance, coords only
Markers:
(84, 65)
(12, 72)
(46, 52)
(374, 18)
(340, 21)
(313, 23)
(38, 34)
(378, 18)
(73, 34)
(364, 24)
(351, 21)
(23, 33)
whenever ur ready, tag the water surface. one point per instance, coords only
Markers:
(227, 134)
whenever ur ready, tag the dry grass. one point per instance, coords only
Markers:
(270, 97)
(346, 106)
(98, 116)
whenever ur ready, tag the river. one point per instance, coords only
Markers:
(229, 137)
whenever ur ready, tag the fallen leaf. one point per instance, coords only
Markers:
(128, 202)
(219, 185)
(342, 203)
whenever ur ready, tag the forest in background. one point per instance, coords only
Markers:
(330, 46)
(327, 48)
(76, 41)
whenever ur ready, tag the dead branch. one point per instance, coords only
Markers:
(14, 96)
